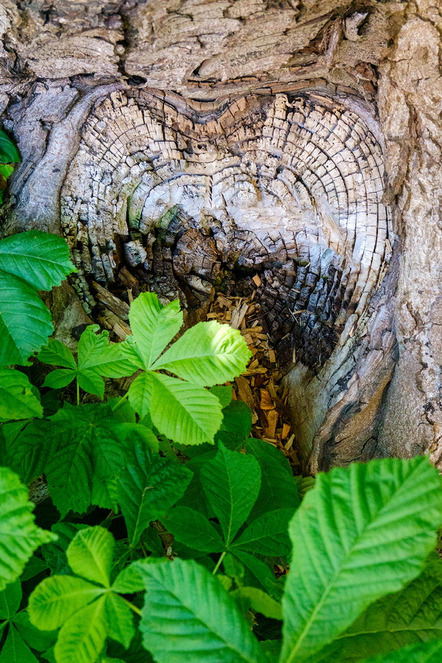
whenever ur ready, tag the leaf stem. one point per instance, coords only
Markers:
(132, 606)
(218, 564)
(120, 402)
(78, 393)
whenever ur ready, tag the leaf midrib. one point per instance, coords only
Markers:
(28, 257)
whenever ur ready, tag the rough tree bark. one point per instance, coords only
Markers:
(198, 142)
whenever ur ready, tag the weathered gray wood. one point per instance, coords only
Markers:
(196, 141)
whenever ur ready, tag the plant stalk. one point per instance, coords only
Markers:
(218, 564)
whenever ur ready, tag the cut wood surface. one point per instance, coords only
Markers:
(288, 151)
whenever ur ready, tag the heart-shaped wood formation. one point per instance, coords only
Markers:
(290, 187)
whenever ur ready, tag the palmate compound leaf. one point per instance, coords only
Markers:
(19, 536)
(148, 486)
(410, 616)
(86, 612)
(153, 325)
(356, 522)
(206, 354)
(17, 397)
(96, 358)
(29, 262)
(231, 482)
(189, 617)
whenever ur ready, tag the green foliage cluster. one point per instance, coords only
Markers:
(166, 521)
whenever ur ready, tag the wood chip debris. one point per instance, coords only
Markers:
(260, 387)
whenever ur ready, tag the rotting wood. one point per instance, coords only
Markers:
(377, 62)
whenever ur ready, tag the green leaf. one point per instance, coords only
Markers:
(60, 378)
(109, 453)
(8, 151)
(129, 580)
(412, 615)
(91, 382)
(34, 638)
(259, 601)
(140, 393)
(55, 553)
(25, 322)
(88, 458)
(6, 170)
(223, 394)
(82, 637)
(15, 650)
(69, 470)
(19, 536)
(278, 488)
(29, 262)
(111, 361)
(91, 343)
(56, 353)
(33, 568)
(231, 482)
(193, 529)
(236, 424)
(57, 598)
(188, 616)
(10, 599)
(90, 554)
(17, 399)
(119, 619)
(421, 652)
(192, 416)
(207, 354)
(356, 521)
(153, 325)
(304, 484)
(38, 258)
(148, 487)
(267, 535)
(271, 648)
(28, 453)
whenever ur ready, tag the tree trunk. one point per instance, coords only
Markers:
(197, 143)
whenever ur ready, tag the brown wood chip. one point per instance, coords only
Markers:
(266, 402)
(238, 314)
(244, 391)
(272, 421)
